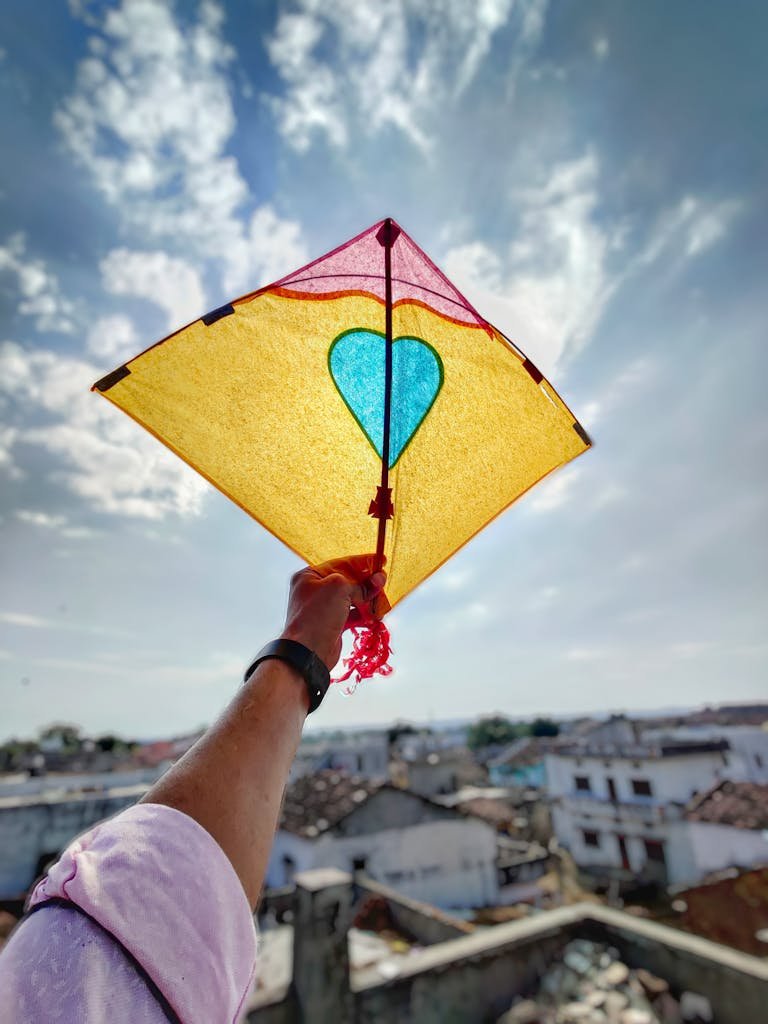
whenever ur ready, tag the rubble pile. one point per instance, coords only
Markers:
(590, 985)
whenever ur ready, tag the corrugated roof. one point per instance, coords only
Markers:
(316, 803)
(739, 804)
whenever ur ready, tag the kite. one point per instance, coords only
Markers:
(358, 404)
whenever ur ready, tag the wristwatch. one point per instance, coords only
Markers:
(312, 669)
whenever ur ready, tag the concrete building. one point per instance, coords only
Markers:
(618, 799)
(659, 804)
(423, 849)
(359, 753)
(440, 772)
(725, 828)
(747, 756)
(35, 828)
(520, 764)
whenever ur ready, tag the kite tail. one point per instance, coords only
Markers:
(370, 653)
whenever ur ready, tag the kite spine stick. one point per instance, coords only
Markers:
(384, 491)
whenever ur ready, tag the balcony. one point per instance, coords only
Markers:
(579, 802)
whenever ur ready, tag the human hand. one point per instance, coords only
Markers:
(326, 598)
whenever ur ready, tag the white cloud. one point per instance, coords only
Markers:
(113, 338)
(554, 490)
(59, 524)
(475, 262)
(104, 457)
(689, 229)
(38, 292)
(691, 648)
(167, 281)
(586, 654)
(150, 118)
(554, 277)
(39, 622)
(348, 65)
(22, 619)
(601, 47)
(312, 103)
(267, 251)
(544, 597)
(453, 580)
(8, 437)
(637, 374)
(549, 290)
(37, 518)
(708, 225)
(158, 91)
(609, 495)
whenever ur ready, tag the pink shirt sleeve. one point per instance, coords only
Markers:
(161, 885)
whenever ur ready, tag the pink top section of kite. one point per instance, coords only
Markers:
(358, 265)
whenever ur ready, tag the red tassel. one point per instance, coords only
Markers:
(370, 653)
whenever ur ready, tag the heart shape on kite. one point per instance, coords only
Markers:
(356, 361)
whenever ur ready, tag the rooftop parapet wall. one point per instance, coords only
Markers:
(477, 977)
(427, 924)
(645, 751)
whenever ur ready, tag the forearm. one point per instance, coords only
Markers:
(232, 780)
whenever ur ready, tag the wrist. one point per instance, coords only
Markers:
(303, 662)
(276, 678)
(316, 643)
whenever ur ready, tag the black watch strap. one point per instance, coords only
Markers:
(312, 669)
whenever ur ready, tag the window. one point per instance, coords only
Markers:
(641, 787)
(654, 851)
(758, 760)
(289, 869)
(591, 838)
(582, 783)
(358, 863)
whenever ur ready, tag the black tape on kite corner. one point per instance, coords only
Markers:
(218, 314)
(111, 378)
(582, 434)
(536, 375)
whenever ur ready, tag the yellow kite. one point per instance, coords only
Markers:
(358, 404)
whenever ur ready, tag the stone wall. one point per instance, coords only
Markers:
(475, 978)
(425, 923)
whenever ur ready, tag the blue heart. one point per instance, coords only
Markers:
(356, 361)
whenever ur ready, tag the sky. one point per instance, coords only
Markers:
(592, 176)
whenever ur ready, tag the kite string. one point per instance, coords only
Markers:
(370, 653)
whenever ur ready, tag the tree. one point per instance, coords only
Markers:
(111, 744)
(491, 730)
(61, 736)
(544, 727)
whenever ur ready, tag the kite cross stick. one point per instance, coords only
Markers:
(450, 417)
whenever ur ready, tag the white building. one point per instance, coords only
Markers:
(747, 757)
(426, 851)
(726, 827)
(619, 799)
(359, 753)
